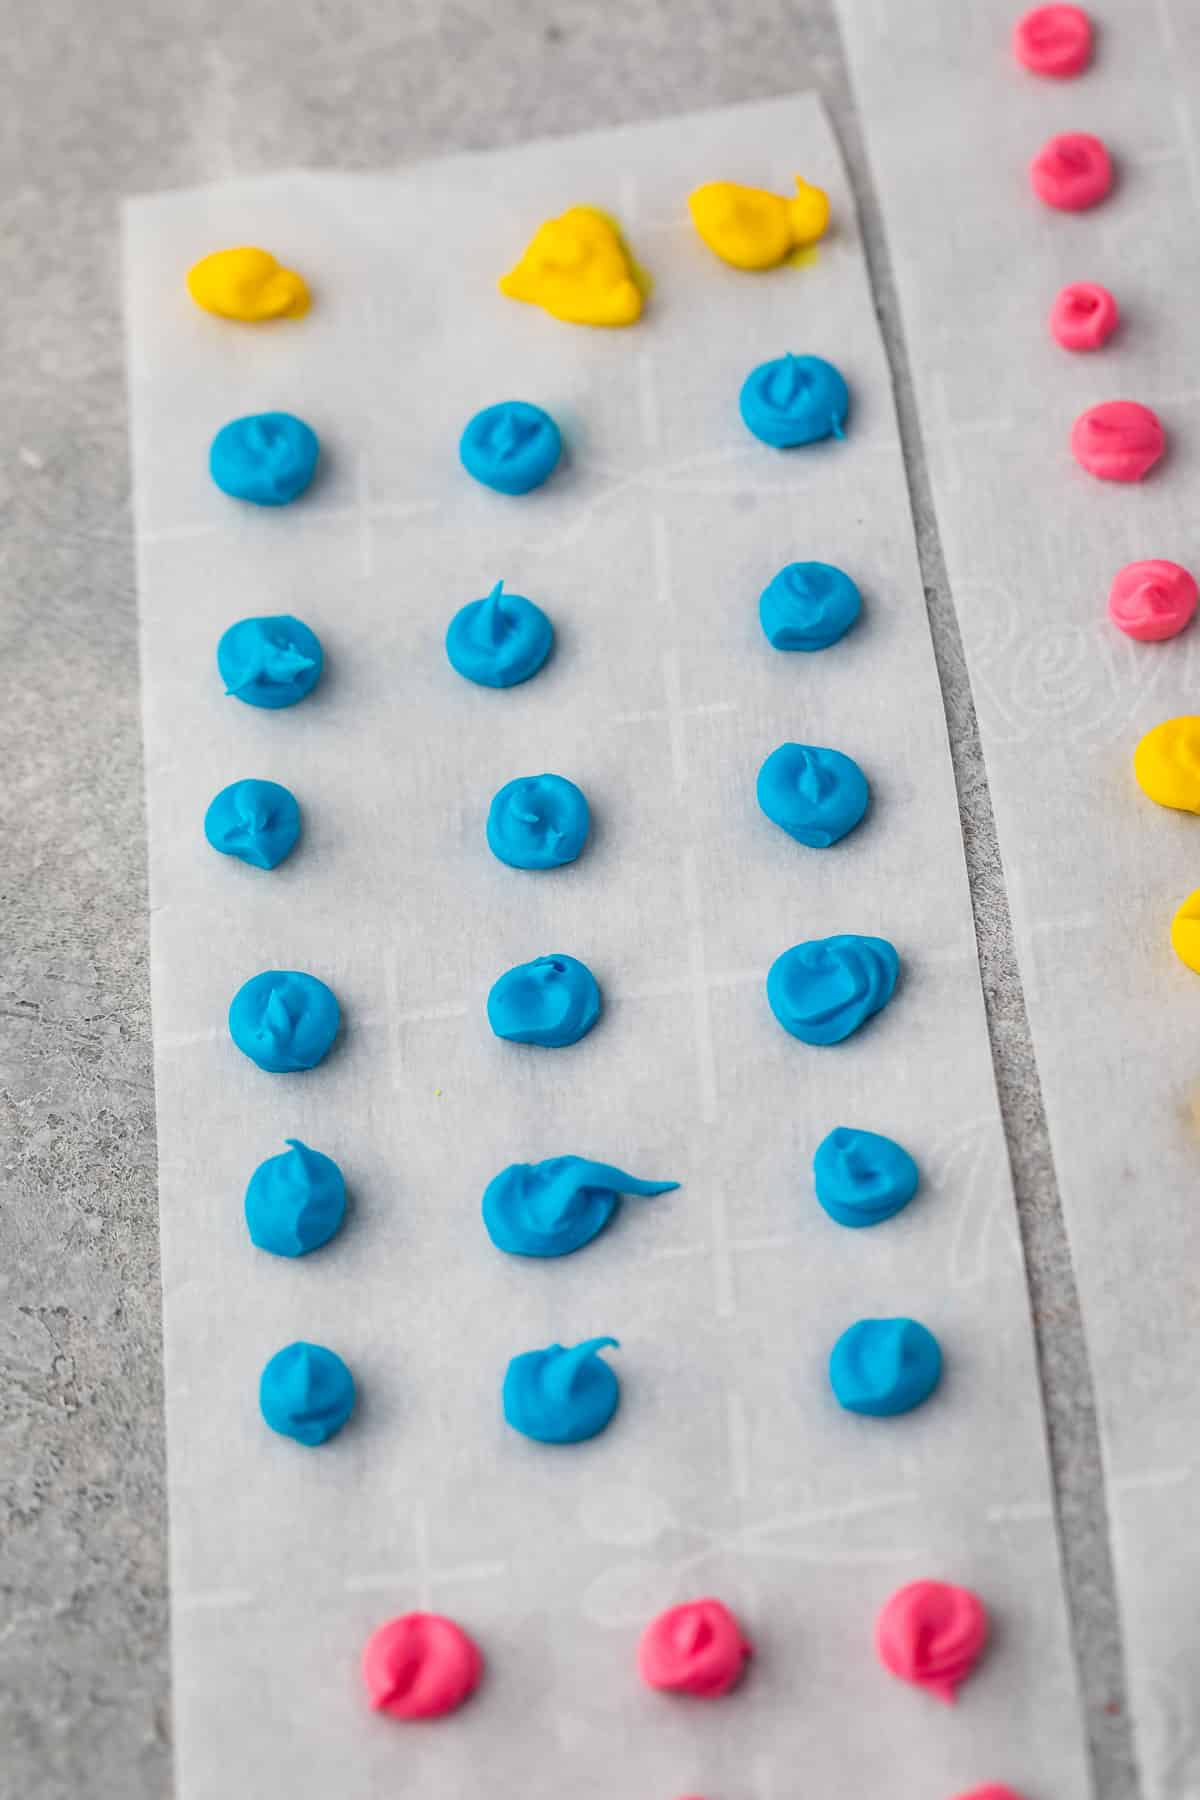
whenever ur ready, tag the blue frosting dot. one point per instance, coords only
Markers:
(511, 446)
(295, 1202)
(306, 1392)
(884, 1366)
(561, 1396)
(256, 821)
(538, 822)
(808, 606)
(794, 400)
(825, 989)
(499, 641)
(268, 458)
(283, 1020)
(815, 795)
(554, 1207)
(270, 662)
(552, 1001)
(862, 1178)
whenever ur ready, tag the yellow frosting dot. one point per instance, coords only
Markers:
(1185, 931)
(754, 229)
(1166, 763)
(247, 284)
(578, 269)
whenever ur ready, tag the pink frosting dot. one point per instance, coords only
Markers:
(1072, 171)
(419, 1666)
(696, 1648)
(1152, 600)
(1053, 40)
(1118, 440)
(1084, 316)
(932, 1634)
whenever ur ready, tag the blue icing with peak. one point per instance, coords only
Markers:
(794, 400)
(815, 795)
(552, 1001)
(295, 1202)
(512, 446)
(554, 1207)
(538, 822)
(561, 1396)
(808, 606)
(499, 641)
(884, 1366)
(284, 1020)
(270, 662)
(268, 458)
(256, 821)
(306, 1392)
(862, 1178)
(825, 989)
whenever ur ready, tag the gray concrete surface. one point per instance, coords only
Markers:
(106, 97)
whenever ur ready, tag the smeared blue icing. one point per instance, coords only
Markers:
(283, 1020)
(512, 446)
(499, 641)
(538, 822)
(794, 400)
(808, 606)
(271, 661)
(561, 1396)
(815, 795)
(823, 990)
(554, 1207)
(552, 1001)
(862, 1178)
(884, 1366)
(296, 1201)
(306, 1392)
(268, 458)
(256, 821)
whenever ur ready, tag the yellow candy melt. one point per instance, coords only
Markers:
(578, 268)
(754, 229)
(247, 284)
(1166, 764)
(1185, 931)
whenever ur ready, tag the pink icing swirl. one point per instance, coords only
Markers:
(696, 1648)
(932, 1633)
(1084, 316)
(1053, 40)
(1119, 440)
(1152, 600)
(420, 1666)
(1071, 172)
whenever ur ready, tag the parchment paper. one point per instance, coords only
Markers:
(730, 1469)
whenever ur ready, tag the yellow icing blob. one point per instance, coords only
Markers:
(578, 268)
(1185, 932)
(247, 284)
(1166, 763)
(754, 229)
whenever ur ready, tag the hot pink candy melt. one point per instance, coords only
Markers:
(1084, 316)
(932, 1634)
(1073, 171)
(1152, 600)
(420, 1666)
(1119, 440)
(1053, 40)
(696, 1648)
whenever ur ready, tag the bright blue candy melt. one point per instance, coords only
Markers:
(256, 821)
(552, 1001)
(862, 1178)
(270, 662)
(499, 641)
(268, 458)
(295, 1202)
(554, 1207)
(815, 795)
(538, 822)
(561, 1396)
(283, 1020)
(825, 989)
(808, 606)
(511, 447)
(884, 1366)
(794, 400)
(306, 1392)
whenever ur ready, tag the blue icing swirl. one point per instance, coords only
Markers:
(552, 1001)
(825, 989)
(512, 446)
(794, 400)
(306, 1392)
(268, 458)
(554, 1207)
(808, 606)
(256, 821)
(815, 795)
(561, 1396)
(284, 1020)
(862, 1178)
(270, 662)
(884, 1366)
(499, 641)
(295, 1202)
(538, 822)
